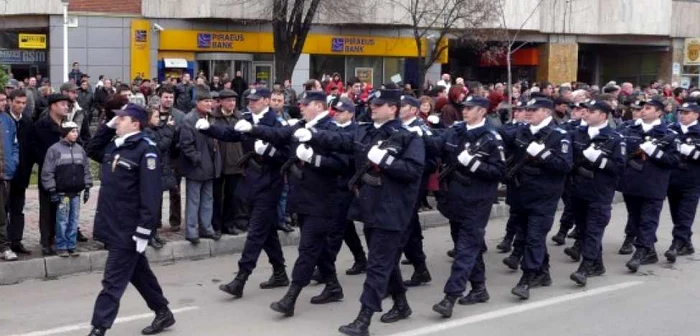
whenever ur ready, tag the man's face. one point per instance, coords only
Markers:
(204, 105)
(277, 102)
(227, 85)
(342, 117)
(186, 78)
(577, 113)
(108, 84)
(84, 86)
(473, 115)
(228, 104)
(636, 113)
(76, 66)
(519, 115)
(71, 94)
(407, 112)
(32, 82)
(155, 118)
(3, 102)
(383, 113)
(548, 90)
(650, 113)
(276, 87)
(258, 105)
(60, 108)
(311, 110)
(688, 117)
(594, 117)
(18, 105)
(536, 116)
(126, 93)
(166, 100)
(357, 88)
(216, 80)
(239, 73)
(561, 108)
(126, 125)
(287, 84)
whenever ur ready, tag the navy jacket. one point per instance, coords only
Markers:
(481, 177)
(687, 176)
(312, 193)
(264, 184)
(652, 180)
(510, 126)
(130, 192)
(390, 205)
(542, 178)
(24, 167)
(606, 170)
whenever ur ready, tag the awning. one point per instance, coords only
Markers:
(175, 63)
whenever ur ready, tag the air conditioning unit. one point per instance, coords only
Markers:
(72, 22)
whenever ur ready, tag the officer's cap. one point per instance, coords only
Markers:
(520, 105)
(472, 101)
(12, 83)
(228, 94)
(599, 105)
(57, 97)
(563, 100)
(313, 95)
(344, 104)
(385, 96)
(539, 102)
(134, 111)
(259, 93)
(690, 107)
(410, 100)
(637, 104)
(657, 102)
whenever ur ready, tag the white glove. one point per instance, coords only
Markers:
(417, 130)
(292, 122)
(433, 119)
(465, 158)
(535, 148)
(302, 134)
(305, 153)
(202, 124)
(592, 154)
(140, 244)
(243, 126)
(112, 123)
(376, 155)
(648, 147)
(686, 149)
(261, 147)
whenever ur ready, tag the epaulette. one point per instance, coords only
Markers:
(560, 130)
(672, 131)
(149, 141)
(362, 123)
(496, 135)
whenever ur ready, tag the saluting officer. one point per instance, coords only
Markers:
(652, 156)
(684, 186)
(261, 187)
(312, 173)
(541, 160)
(474, 164)
(390, 159)
(127, 215)
(599, 160)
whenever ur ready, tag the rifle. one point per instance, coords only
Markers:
(580, 165)
(450, 169)
(513, 171)
(353, 184)
(247, 158)
(639, 153)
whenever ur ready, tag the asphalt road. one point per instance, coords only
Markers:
(661, 299)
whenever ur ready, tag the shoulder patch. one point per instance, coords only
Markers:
(496, 135)
(149, 141)
(151, 155)
(672, 131)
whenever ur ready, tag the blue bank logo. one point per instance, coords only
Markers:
(203, 40)
(141, 36)
(337, 44)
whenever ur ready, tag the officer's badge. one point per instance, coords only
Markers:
(565, 147)
(685, 105)
(503, 154)
(151, 163)
(623, 148)
(378, 94)
(469, 98)
(531, 102)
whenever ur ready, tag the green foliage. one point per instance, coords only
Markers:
(4, 77)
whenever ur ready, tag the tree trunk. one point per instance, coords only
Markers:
(285, 62)
(509, 85)
(421, 75)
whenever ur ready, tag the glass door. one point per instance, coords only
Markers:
(245, 68)
(262, 72)
(221, 68)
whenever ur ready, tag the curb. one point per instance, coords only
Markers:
(53, 267)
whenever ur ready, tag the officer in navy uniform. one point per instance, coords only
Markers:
(541, 160)
(628, 244)
(261, 188)
(312, 173)
(127, 215)
(599, 160)
(684, 186)
(652, 156)
(390, 159)
(414, 246)
(474, 164)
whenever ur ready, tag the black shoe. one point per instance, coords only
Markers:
(358, 267)
(318, 277)
(627, 246)
(559, 238)
(193, 241)
(574, 251)
(164, 319)
(235, 287)
(651, 258)
(686, 249)
(158, 238)
(642, 256)
(418, 278)
(241, 225)
(446, 306)
(48, 251)
(286, 305)
(405, 262)
(216, 236)
(360, 326)
(285, 227)
(505, 245)
(333, 292)
(478, 294)
(598, 268)
(541, 279)
(80, 237)
(98, 332)
(574, 234)
(277, 279)
(512, 261)
(155, 244)
(399, 311)
(672, 252)
(580, 277)
(522, 289)
(19, 248)
(451, 253)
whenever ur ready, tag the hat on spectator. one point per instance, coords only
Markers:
(68, 87)
(12, 83)
(66, 127)
(57, 97)
(228, 94)
(215, 95)
(201, 94)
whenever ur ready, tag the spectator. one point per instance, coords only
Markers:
(102, 94)
(239, 86)
(168, 112)
(408, 90)
(86, 100)
(290, 95)
(201, 164)
(451, 112)
(9, 152)
(445, 81)
(184, 94)
(65, 160)
(336, 82)
(32, 95)
(20, 181)
(100, 81)
(227, 85)
(216, 85)
(679, 95)
(75, 74)
(496, 97)
(427, 108)
(79, 116)
(547, 89)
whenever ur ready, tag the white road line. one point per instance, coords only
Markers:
(433, 329)
(81, 326)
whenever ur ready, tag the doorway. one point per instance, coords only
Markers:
(225, 65)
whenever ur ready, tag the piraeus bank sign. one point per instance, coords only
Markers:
(351, 44)
(219, 40)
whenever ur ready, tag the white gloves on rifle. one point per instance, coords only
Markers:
(305, 153)
(376, 154)
(535, 148)
(417, 130)
(261, 147)
(686, 149)
(592, 154)
(433, 119)
(465, 158)
(648, 147)
(243, 126)
(302, 134)
(292, 122)
(202, 124)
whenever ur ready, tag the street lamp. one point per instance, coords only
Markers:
(65, 39)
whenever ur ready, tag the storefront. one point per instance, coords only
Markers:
(691, 63)
(24, 51)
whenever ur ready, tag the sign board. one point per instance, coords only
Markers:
(32, 41)
(685, 82)
(140, 48)
(22, 56)
(691, 52)
(72, 22)
(676, 68)
(396, 78)
(365, 75)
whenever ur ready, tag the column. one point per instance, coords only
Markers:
(558, 60)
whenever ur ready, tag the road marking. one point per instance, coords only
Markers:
(515, 310)
(81, 326)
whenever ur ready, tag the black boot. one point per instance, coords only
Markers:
(286, 305)
(277, 279)
(560, 237)
(651, 258)
(598, 268)
(575, 233)
(360, 326)
(420, 276)
(333, 292)
(158, 239)
(581, 275)
(513, 260)
(81, 238)
(574, 251)
(505, 245)
(358, 267)
(98, 332)
(634, 263)
(446, 306)
(235, 287)
(542, 278)
(318, 277)
(478, 294)
(156, 244)
(399, 311)
(672, 252)
(284, 227)
(686, 249)
(627, 246)
(164, 319)
(522, 289)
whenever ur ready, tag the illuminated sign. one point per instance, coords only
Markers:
(32, 41)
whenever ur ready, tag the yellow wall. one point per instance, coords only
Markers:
(140, 48)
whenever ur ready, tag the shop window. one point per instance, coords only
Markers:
(367, 69)
(264, 57)
(392, 67)
(326, 65)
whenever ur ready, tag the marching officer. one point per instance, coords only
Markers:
(474, 164)
(653, 155)
(599, 160)
(684, 186)
(127, 214)
(261, 187)
(628, 244)
(389, 161)
(541, 160)
(312, 173)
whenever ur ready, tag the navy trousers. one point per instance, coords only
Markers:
(314, 240)
(643, 219)
(592, 218)
(383, 272)
(683, 205)
(262, 235)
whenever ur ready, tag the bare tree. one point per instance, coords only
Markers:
(439, 20)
